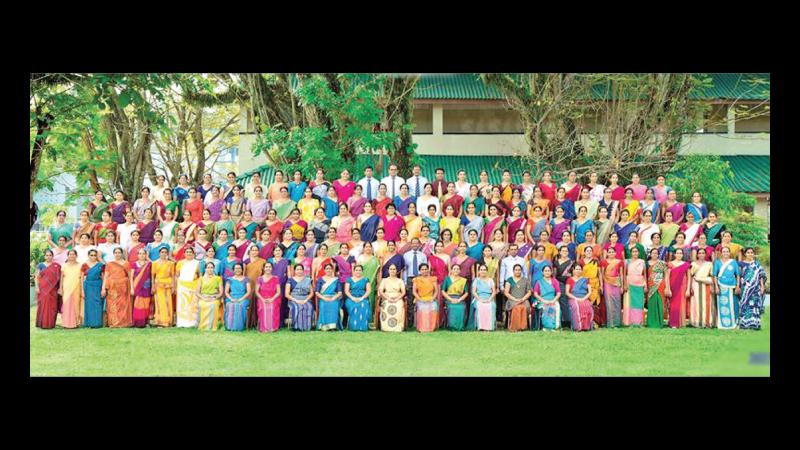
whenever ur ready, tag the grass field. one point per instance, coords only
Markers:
(186, 352)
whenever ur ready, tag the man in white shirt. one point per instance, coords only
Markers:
(416, 183)
(369, 185)
(393, 182)
(413, 259)
(507, 265)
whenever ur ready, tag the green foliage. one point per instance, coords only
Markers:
(748, 229)
(705, 174)
(762, 253)
(38, 246)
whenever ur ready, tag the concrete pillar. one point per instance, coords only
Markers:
(731, 121)
(438, 120)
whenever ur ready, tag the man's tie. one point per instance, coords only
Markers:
(416, 194)
(392, 187)
(369, 189)
(414, 263)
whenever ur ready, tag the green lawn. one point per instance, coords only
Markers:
(185, 352)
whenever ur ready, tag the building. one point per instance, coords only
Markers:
(460, 122)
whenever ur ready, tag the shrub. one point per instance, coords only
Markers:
(707, 175)
(748, 230)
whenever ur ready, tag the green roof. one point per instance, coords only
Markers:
(751, 173)
(468, 86)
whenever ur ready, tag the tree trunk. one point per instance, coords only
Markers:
(39, 143)
(88, 143)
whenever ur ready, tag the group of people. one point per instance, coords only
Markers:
(399, 253)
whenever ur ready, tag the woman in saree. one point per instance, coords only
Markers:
(344, 263)
(60, 228)
(563, 266)
(679, 243)
(474, 246)
(117, 291)
(143, 203)
(251, 228)
(84, 226)
(546, 293)
(462, 185)
(274, 191)
(283, 206)
(319, 186)
(92, 282)
(566, 204)
(727, 241)
(308, 205)
(237, 205)
(155, 247)
(296, 225)
(515, 222)
(702, 304)
(147, 227)
(204, 189)
(496, 201)
(85, 244)
(690, 228)
(498, 245)
(369, 265)
(672, 205)
(225, 223)
(727, 279)
(382, 200)
(537, 223)
(297, 186)
(253, 268)
(431, 220)
(223, 241)
(163, 287)
(713, 229)
(572, 188)
(119, 207)
(701, 244)
(392, 223)
(450, 247)
(660, 190)
(168, 204)
(753, 286)
(357, 290)
(612, 270)
(102, 228)
(523, 246)
(613, 206)
(320, 225)
(474, 198)
(613, 242)
(697, 208)
(633, 299)
(209, 298)
(426, 200)
(454, 294)
(650, 204)
(558, 225)
(268, 301)
(578, 291)
(471, 222)
(181, 191)
(451, 198)
(266, 245)
(188, 271)
(299, 293)
(631, 205)
(547, 187)
(646, 229)
(186, 228)
(492, 264)
(356, 245)
(657, 289)
(678, 289)
(168, 227)
(201, 245)
(331, 204)
(329, 293)
(97, 206)
(494, 221)
(624, 228)
(237, 300)
(281, 269)
(368, 223)
(517, 290)
(617, 191)
(211, 257)
(48, 282)
(538, 262)
(603, 225)
(541, 202)
(301, 257)
(595, 189)
(390, 257)
(484, 187)
(591, 271)
(413, 222)
(581, 225)
(517, 201)
(391, 306)
(668, 229)
(259, 208)
(425, 291)
(331, 243)
(344, 187)
(662, 250)
(194, 205)
(637, 189)
(587, 202)
(356, 202)
(180, 246)
(319, 261)
(133, 247)
(344, 223)
(215, 204)
(141, 289)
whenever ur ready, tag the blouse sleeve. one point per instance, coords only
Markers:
(556, 285)
(536, 288)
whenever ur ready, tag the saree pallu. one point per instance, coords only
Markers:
(751, 303)
(452, 224)
(426, 317)
(307, 206)
(356, 206)
(227, 225)
(433, 224)
(215, 208)
(515, 225)
(266, 249)
(713, 233)
(548, 191)
(236, 310)
(269, 313)
(414, 227)
(393, 315)
(47, 300)
(173, 206)
(633, 208)
(118, 299)
(653, 208)
(237, 208)
(210, 316)
(581, 311)
(579, 230)
(691, 232)
(549, 311)
(479, 202)
(283, 210)
(726, 313)
(331, 208)
(558, 229)
(633, 306)
(81, 229)
(471, 224)
(289, 249)
(655, 294)
(475, 251)
(569, 208)
(488, 229)
(93, 302)
(596, 192)
(456, 201)
(618, 193)
(699, 212)
(624, 233)
(702, 303)
(96, 212)
(146, 231)
(572, 193)
(668, 232)
(330, 312)
(71, 306)
(164, 273)
(591, 208)
(344, 227)
(563, 271)
(252, 228)
(453, 312)
(369, 229)
(536, 227)
(298, 229)
(118, 212)
(677, 303)
(612, 295)
(358, 313)
(603, 228)
(187, 307)
(301, 315)
(102, 230)
(61, 230)
(333, 249)
(677, 212)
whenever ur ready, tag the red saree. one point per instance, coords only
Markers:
(142, 294)
(514, 226)
(456, 201)
(47, 300)
(677, 287)
(548, 192)
(488, 230)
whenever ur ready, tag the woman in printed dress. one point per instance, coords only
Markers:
(753, 284)
(633, 300)
(268, 296)
(657, 290)
(299, 296)
(237, 299)
(48, 281)
(209, 298)
(391, 304)
(612, 270)
(578, 292)
(678, 289)
(727, 279)
(117, 291)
